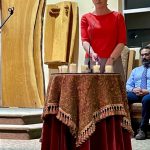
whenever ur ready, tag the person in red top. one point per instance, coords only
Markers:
(103, 34)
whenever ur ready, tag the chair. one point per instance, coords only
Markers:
(129, 62)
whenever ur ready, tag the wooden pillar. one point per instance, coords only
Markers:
(22, 75)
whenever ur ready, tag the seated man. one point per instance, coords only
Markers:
(138, 88)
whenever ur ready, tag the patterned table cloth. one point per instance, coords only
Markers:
(82, 100)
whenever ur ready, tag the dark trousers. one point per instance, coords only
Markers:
(145, 100)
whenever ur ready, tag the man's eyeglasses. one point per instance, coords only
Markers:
(145, 54)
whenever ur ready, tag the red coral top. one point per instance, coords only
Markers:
(103, 32)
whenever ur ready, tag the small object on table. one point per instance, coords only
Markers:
(109, 69)
(84, 69)
(96, 68)
(72, 68)
(64, 69)
(59, 69)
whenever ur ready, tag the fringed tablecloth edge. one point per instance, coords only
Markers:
(82, 136)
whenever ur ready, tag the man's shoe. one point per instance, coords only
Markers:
(141, 135)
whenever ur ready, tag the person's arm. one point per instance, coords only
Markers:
(130, 85)
(86, 39)
(87, 47)
(115, 54)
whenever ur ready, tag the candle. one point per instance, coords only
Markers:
(72, 68)
(64, 69)
(59, 69)
(96, 68)
(84, 69)
(109, 69)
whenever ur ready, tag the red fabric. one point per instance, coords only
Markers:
(109, 135)
(103, 32)
(56, 136)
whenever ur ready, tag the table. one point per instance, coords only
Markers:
(86, 112)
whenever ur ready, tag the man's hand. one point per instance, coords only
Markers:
(137, 91)
(144, 92)
(140, 92)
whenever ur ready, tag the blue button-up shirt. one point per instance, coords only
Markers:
(135, 79)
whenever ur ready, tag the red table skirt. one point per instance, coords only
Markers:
(109, 135)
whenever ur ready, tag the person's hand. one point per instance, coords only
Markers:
(144, 92)
(137, 91)
(140, 92)
(94, 57)
(109, 61)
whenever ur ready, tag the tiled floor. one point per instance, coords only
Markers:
(36, 145)
(140, 145)
(20, 144)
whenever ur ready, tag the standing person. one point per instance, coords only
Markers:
(138, 90)
(103, 35)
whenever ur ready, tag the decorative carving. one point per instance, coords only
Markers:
(66, 10)
(54, 12)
